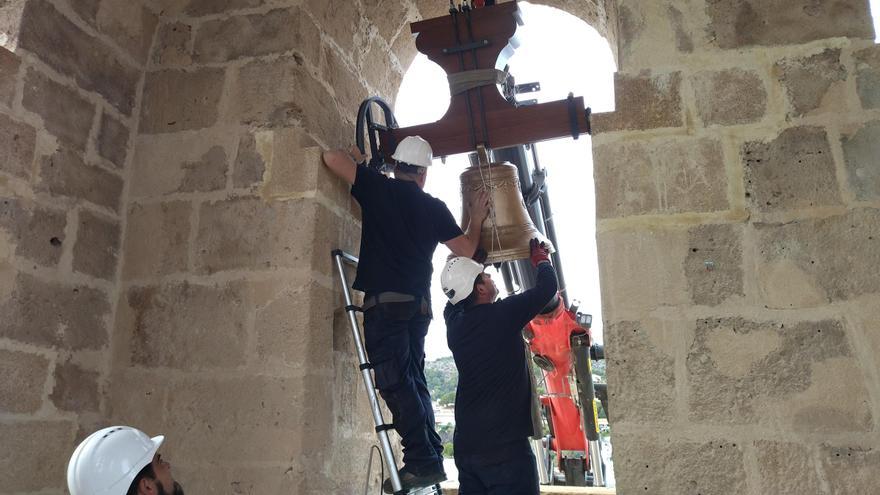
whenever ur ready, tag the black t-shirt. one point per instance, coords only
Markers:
(402, 226)
(492, 400)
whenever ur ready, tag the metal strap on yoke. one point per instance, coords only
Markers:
(459, 82)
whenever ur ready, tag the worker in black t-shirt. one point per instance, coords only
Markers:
(401, 227)
(492, 400)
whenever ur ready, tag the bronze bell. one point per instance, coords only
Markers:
(507, 230)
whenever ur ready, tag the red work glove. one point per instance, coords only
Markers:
(538, 252)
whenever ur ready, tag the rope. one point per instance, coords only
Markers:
(495, 236)
(373, 449)
(459, 82)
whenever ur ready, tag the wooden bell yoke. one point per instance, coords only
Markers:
(466, 43)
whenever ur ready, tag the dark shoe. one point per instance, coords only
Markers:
(411, 480)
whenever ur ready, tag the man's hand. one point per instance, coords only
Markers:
(479, 206)
(538, 252)
(356, 155)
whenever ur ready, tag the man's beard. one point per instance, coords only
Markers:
(178, 490)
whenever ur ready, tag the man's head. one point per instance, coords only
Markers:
(464, 282)
(120, 460)
(413, 156)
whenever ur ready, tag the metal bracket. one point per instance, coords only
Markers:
(573, 117)
(465, 47)
(531, 87)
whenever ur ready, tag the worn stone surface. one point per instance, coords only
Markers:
(50, 314)
(130, 25)
(340, 20)
(186, 326)
(157, 239)
(808, 80)
(861, 150)
(388, 16)
(794, 170)
(198, 8)
(286, 327)
(189, 162)
(76, 389)
(729, 97)
(641, 178)
(65, 174)
(748, 372)
(347, 87)
(36, 232)
(172, 44)
(44, 97)
(113, 140)
(277, 31)
(282, 93)
(714, 263)
(138, 397)
(24, 374)
(631, 258)
(35, 454)
(740, 23)
(850, 468)
(812, 249)
(17, 142)
(868, 76)
(378, 70)
(294, 167)
(9, 65)
(47, 33)
(786, 468)
(249, 164)
(640, 375)
(643, 101)
(177, 100)
(649, 464)
(97, 246)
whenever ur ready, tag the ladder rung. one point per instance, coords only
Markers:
(366, 366)
(352, 307)
(385, 427)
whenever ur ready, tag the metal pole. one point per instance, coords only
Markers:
(378, 422)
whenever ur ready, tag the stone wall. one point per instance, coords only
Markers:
(739, 235)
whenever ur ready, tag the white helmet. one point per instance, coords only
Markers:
(414, 151)
(107, 461)
(457, 279)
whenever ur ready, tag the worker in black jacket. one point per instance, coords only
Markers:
(492, 401)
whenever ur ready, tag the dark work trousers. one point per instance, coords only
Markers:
(509, 471)
(395, 339)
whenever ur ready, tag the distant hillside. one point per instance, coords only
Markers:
(442, 378)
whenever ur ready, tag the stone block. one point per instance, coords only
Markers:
(249, 163)
(290, 478)
(97, 246)
(651, 34)
(811, 252)
(182, 162)
(246, 233)
(850, 468)
(157, 239)
(50, 314)
(113, 140)
(730, 97)
(17, 143)
(643, 101)
(378, 70)
(172, 45)
(404, 47)
(810, 80)
(661, 465)
(65, 174)
(349, 90)
(34, 455)
(198, 8)
(742, 23)
(641, 376)
(9, 65)
(794, 170)
(138, 397)
(56, 40)
(282, 93)
(776, 374)
(276, 31)
(659, 177)
(24, 375)
(294, 167)
(37, 233)
(186, 326)
(76, 389)
(178, 100)
(861, 150)
(786, 468)
(388, 17)
(44, 97)
(643, 270)
(130, 25)
(340, 20)
(714, 263)
(868, 76)
(261, 419)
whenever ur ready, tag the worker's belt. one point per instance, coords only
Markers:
(374, 300)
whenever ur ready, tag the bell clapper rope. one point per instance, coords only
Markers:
(483, 158)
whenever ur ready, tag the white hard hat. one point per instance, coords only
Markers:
(457, 279)
(414, 151)
(107, 461)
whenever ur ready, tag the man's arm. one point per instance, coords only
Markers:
(467, 243)
(342, 163)
(521, 308)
